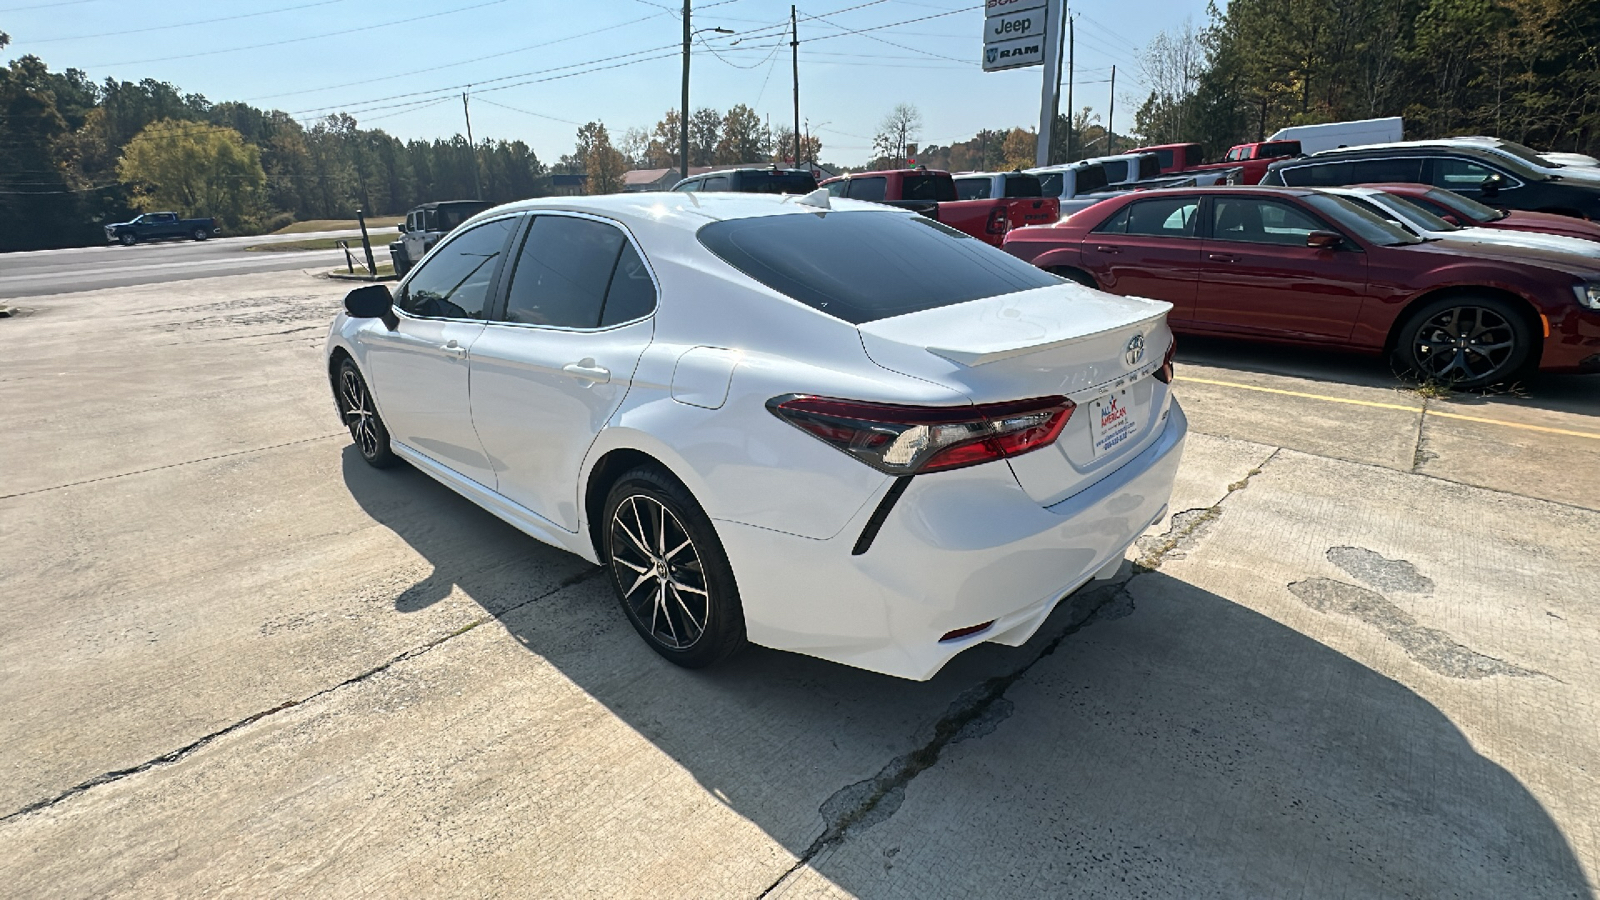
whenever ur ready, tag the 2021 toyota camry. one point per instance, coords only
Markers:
(824, 426)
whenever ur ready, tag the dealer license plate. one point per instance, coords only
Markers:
(1111, 423)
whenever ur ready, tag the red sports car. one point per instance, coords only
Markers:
(1467, 212)
(1295, 265)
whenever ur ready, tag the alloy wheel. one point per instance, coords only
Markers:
(659, 572)
(1464, 343)
(358, 412)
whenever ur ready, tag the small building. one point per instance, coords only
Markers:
(569, 185)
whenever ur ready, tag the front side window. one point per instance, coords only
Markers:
(454, 282)
(837, 188)
(973, 188)
(873, 265)
(718, 183)
(1258, 221)
(1460, 175)
(688, 186)
(1236, 154)
(871, 189)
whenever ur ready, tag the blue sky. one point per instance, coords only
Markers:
(535, 64)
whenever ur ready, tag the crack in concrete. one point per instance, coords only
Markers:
(187, 462)
(980, 709)
(1188, 526)
(187, 750)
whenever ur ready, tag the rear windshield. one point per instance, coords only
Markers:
(1091, 178)
(776, 183)
(1368, 226)
(1418, 216)
(1465, 206)
(1050, 184)
(939, 188)
(861, 266)
(1116, 170)
(1023, 186)
(974, 188)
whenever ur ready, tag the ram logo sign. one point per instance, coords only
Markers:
(1013, 54)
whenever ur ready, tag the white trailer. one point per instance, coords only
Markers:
(1333, 135)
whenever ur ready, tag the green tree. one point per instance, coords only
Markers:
(744, 137)
(196, 171)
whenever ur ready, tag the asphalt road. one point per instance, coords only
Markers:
(46, 272)
(1361, 658)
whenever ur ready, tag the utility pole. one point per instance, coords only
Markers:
(1050, 92)
(1071, 110)
(794, 56)
(1111, 115)
(477, 181)
(683, 117)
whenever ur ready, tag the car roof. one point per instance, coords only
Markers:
(685, 210)
(1471, 148)
(437, 204)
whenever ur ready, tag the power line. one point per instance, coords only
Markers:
(527, 112)
(826, 21)
(268, 12)
(361, 29)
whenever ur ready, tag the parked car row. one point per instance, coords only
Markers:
(1359, 269)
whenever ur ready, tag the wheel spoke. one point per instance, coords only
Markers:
(684, 587)
(678, 549)
(635, 568)
(688, 615)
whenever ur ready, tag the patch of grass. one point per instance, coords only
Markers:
(387, 223)
(1430, 390)
(385, 271)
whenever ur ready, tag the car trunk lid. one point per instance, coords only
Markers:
(1099, 350)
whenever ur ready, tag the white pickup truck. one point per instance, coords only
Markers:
(1082, 184)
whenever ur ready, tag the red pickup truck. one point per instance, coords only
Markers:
(933, 194)
(1251, 159)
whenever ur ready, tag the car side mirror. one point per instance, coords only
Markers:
(1491, 185)
(1451, 219)
(370, 302)
(401, 228)
(1324, 240)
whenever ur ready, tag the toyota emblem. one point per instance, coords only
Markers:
(1135, 350)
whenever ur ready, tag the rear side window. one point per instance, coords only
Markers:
(1193, 155)
(1324, 175)
(861, 266)
(715, 183)
(776, 183)
(1401, 169)
(572, 272)
(1166, 158)
(1161, 217)
(938, 188)
(973, 188)
(871, 189)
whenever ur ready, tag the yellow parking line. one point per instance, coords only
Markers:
(1402, 407)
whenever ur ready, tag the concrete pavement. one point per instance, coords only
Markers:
(1358, 660)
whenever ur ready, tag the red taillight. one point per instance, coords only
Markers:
(999, 220)
(1164, 374)
(910, 440)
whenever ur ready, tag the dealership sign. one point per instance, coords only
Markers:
(1013, 34)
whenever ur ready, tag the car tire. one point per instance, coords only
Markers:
(128, 240)
(1465, 342)
(360, 415)
(200, 234)
(669, 571)
(1078, 275)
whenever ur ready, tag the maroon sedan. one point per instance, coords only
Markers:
(1294, 265)
(1467, 212)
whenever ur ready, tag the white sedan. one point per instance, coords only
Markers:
(819, 425)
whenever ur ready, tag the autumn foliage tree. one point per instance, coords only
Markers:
(195, 170)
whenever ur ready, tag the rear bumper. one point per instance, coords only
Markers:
(959, 549)
(1573, 344)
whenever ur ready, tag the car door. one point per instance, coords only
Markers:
(1149, 248)
(1257, 276)
(559, 355)
(419, 369)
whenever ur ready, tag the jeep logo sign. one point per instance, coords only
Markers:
(1020, 25)
(1015, 53)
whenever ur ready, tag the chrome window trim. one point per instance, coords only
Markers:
(649, 267)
